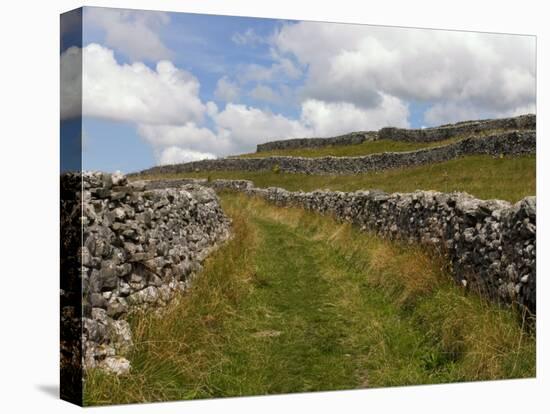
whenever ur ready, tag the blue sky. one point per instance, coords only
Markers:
(173, 87)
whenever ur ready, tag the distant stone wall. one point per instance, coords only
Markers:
(467, 128)
(509, 143)
(491, 244)
(293, 143)
(139, 247)
(523, 122)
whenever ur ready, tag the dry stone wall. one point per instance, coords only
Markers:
(522, 122)
(491, 244)
(347, 139)
(510, 143)
(139, 247)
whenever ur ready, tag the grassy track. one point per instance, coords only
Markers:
(508, 178)
(297, 302)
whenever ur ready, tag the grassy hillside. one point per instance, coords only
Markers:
(297, 302)
(365, 148)
(508, 178)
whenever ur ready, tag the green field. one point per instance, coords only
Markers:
(297, 302)
(486, 177)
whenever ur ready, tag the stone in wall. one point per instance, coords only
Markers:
(139, 248)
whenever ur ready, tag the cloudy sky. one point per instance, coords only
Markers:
(163, 88)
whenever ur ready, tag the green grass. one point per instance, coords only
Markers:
(297, 302)
(507, 178)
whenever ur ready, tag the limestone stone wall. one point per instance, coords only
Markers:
(347, 139)
(523, 122)
(509, 143)
(467, 128)
(139, 247)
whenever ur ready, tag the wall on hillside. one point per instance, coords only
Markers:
(523, 122)
(139, 248)
(293, 143)
(491, 244)
(510, 143)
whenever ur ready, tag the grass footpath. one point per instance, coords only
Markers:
(298, 302)
(483, 176)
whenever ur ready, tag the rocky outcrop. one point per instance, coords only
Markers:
(491, 244)
(293, 143)
(468, 128)
(138, 248)
(510, 143)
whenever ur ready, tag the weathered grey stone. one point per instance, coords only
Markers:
(116, 365)
(97, 300)
(117, 309)
(118, 179)
(120, 214)
(108, 275)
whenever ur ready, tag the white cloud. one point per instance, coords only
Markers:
(478, 72)
(187, 142)
(265, 93)
(132, 93)
(188, 136)
(281, 70)
(451, 112)
(245, 126)
(131, 32)
(226, 90)
(249, 37)
(175, 155)
(211, 108)
(334, 118)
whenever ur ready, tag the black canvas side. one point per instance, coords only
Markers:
(71, 207)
